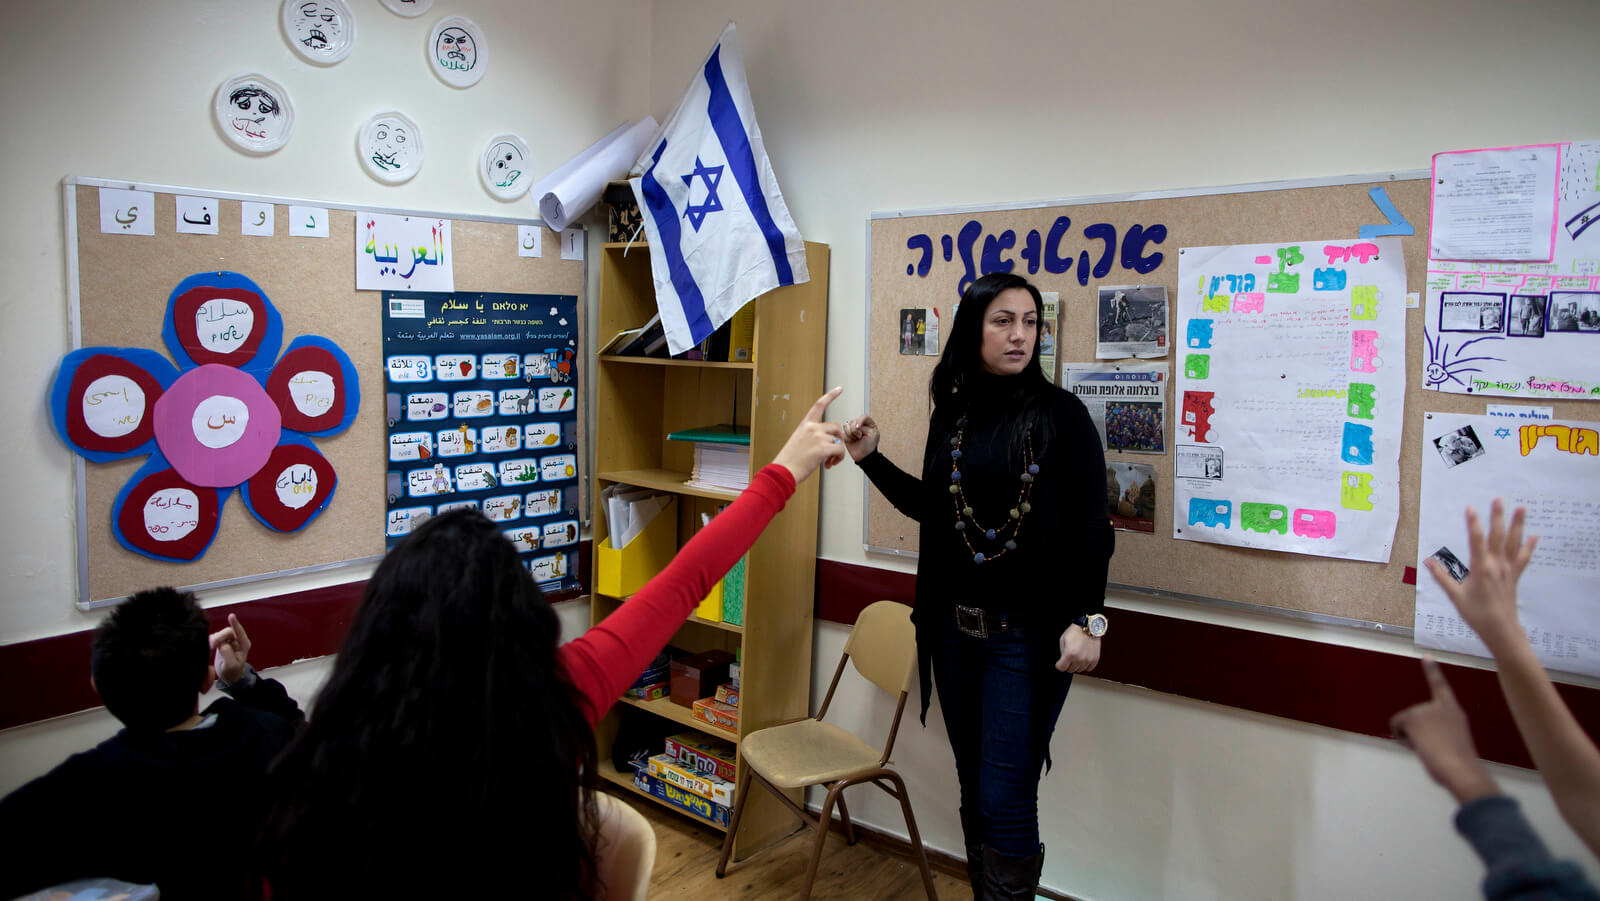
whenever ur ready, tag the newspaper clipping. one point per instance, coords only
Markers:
(1131, 321)
(1127, 402)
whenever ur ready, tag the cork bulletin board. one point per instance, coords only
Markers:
(923, 259)
(119, 286)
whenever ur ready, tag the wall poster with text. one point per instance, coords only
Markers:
(482, 394)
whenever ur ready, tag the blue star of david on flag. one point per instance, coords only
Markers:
(712, 176)
(1502, 432)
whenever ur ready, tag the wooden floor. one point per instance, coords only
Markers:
(686, 864)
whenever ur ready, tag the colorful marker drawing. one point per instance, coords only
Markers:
(1328, 279)
(1571, 440)
(1254, 302)
(1355, 490)
(1364, 302)
(1364, 351)
(1314, 523)
(1197, 366)
(1357, 445)
(1199, 333)
(1197, 412)
(1264, 518)
(1363, 400)
(1210, 513)
(1443, 365)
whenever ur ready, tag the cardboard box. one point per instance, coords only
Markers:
(704, 754)
(653, 692)
(667, 768)
(733, 675)
(698, 675)
(727, 694)
(710, 710)
(711, 607)
(677, 797)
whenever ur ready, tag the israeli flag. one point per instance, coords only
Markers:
(719, 231)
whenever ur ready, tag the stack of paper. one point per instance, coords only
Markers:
(724, 466)
(629, 510)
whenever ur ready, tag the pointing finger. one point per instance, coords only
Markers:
(1436, 680)
(815, 413)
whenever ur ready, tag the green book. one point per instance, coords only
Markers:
(715, 434)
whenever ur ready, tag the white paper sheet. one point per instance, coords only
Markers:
(1552, 469)
(1495, 204)
(257, 219)
(1290, 387)
(574, 187)
(1546, 342)
(400, 253)
(127, 212)
(530, 241)
(196, 215)
(308, 221)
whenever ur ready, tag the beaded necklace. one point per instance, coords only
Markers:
(1015, 515)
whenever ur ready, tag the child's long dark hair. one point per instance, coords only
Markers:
(448, 754)
(961, 366)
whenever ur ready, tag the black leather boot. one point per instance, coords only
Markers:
(1010, 878)
(972, 833)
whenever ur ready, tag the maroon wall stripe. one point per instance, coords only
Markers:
(1352, 689)
(1338, 687)
(49, 677)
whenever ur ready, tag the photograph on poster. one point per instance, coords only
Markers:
(1131, 321)
(1131, 496)
(1452, 563)
(1471, 311)
(1527, 316)
(1457, 447)
(1194, 461)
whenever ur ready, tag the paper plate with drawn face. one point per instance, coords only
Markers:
(390, 145)
(408, 8)
(321, 31)
(457, 51)
(254, 112)
(504, 166)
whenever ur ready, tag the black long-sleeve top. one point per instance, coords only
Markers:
(178, 809)
(1520, 867)
(1058, 571)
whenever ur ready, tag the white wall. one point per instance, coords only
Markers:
(886, 106)
(124, 90)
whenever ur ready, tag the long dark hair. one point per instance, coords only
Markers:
(447, 745)
(960, 369)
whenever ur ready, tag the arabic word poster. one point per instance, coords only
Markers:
(1524, 329)
(1551, 468)
(232, 413)
(1289, 393)
(482, 397)
(403, 253)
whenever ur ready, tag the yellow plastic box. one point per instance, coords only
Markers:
(711, 607)
(619, 572)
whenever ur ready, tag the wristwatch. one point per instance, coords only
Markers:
(1095, 624)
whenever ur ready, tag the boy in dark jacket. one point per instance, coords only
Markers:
(175, 797)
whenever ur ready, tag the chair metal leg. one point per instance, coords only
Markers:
(739, 794)
(916, 838)
(844, 814)
(822, 836)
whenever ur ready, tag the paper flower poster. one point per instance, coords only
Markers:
(225, 417)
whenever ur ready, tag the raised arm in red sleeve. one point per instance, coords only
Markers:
(607, 659)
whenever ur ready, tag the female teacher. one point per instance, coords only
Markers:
(1011, 569)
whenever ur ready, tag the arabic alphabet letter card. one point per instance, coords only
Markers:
(504, 166)
(321, 31)
(457, 51)
(308, 221)
(127, 212)
(257, 219)
(196, 215)
(254, 112)
(390, 145)
(572, 244)
(530, 241)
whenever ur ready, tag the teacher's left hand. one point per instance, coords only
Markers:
(1079, 652)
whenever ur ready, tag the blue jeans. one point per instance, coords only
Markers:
(985, 690)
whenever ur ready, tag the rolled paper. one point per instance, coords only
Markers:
(574, 187)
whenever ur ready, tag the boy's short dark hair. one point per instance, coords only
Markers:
(150, 657)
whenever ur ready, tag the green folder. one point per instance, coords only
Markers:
(715, 434)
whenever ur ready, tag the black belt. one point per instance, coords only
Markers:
(980, 623)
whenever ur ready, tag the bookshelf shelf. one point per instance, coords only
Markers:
(639, 401)
(668, 361)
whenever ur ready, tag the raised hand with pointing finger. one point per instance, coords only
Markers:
(813, 443)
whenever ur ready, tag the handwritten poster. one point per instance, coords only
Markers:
(1553, 469)
(1289, 396)
(482, 397)
(395, 253)
(1529, 329)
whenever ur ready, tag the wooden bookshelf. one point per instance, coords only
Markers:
(638, 401)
